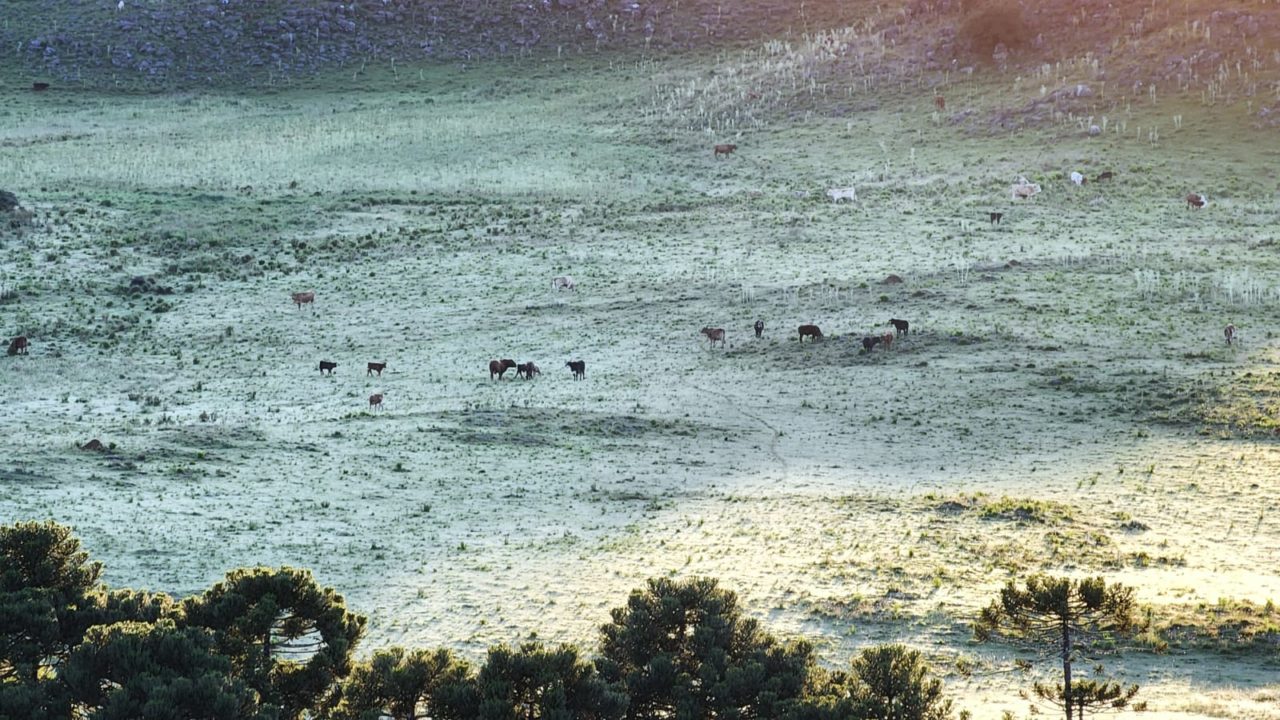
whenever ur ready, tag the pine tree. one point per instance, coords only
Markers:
(288, 638)
(1060, 610)
(539, 683)
(405, 685)
(684, 650)
(142, 671)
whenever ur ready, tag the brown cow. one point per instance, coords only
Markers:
(714, 334)
(726, 150)
(376, 368)
(19, 345)
(887, 341)
(901, 327)
(1229, 332)
(1196, 200)
(811, 331)
(304, 298)
(579, 368)
(326, 365)
(940, 102)
(528, 370)
(499, 367)
(375, 401)
(759, 328)
(1105, 175)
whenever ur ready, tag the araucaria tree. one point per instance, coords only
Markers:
(287, 638)
(683, 650)
(886, 682)
(1062, 610)
(405, 685)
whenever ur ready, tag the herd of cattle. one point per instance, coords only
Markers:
(1020, 190)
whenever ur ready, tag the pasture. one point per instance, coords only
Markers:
(1065, 400)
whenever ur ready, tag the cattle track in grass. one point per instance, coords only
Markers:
(736, 404)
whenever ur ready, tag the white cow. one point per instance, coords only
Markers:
(1077, 178)
(1024, 189)
(563, 282)
(838, 194)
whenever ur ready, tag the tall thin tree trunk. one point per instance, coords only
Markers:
(1066, 667)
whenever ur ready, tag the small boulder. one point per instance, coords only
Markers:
(891, 280)
(94, 445)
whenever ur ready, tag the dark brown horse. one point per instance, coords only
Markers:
(811, 331)
(497, 368)
(579, 368)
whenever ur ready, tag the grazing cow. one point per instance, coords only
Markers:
(901, 327)
(563, 282)
(887, 341)
(1196, 200)
(19, 345)
(1229, 332)
(1078, 178)
(726, 150)
(579, 368)
(39, 86)
(1105, 175)
(376, 368)
(375, 401)
(940, 102)
(304, 298)
(714, 334)
(325, 365)
(871, 341)
(996, 217)
(811, 331)
(497, 368)
(838, 194)
(528, 370)
(1024, 189)
(759, 326)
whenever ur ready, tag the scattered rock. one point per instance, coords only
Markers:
(891, 280)
(94, 445)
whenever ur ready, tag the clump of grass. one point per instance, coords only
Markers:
(1025, 510)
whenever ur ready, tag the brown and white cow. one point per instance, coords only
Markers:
(19, 345)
